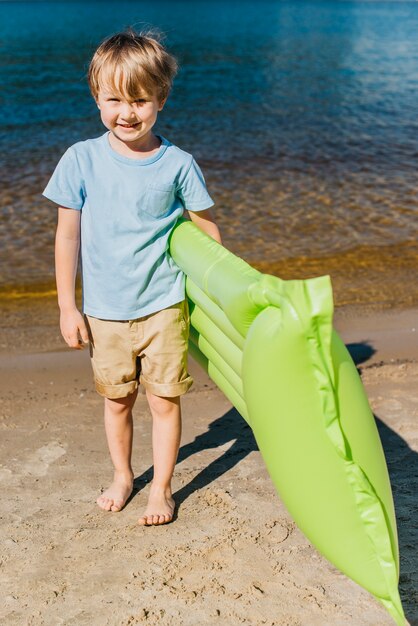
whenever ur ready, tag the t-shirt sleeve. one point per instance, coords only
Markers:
(66, 185)
(192, 190)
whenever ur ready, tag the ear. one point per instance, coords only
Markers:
(162, 103)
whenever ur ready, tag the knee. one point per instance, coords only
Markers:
(121, 406)
(163, 407)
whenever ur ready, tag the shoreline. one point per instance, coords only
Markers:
(32, 326)
(375, 277)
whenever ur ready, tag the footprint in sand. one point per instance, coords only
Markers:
(38, 463)
(6, 475)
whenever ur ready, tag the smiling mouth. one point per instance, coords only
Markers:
(129, 125)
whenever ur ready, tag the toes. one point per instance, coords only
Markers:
(149, 520)
(116, 506)
(155, 519)
(104, 503)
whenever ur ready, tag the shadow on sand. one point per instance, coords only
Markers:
(229, 427)
(402, 464)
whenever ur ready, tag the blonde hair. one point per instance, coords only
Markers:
(131, 64)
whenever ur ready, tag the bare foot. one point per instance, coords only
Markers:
(115, 497)
(160, 508)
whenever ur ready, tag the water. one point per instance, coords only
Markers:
(302, 115)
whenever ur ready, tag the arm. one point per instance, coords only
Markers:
(67, 245)
(204, 220)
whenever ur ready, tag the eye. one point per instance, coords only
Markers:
(140, 100)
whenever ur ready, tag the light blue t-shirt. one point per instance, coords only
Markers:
(128, 210)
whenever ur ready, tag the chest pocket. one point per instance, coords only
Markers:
(158, 199)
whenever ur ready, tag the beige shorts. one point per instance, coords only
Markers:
(151, 349)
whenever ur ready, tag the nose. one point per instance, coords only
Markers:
(127, 111)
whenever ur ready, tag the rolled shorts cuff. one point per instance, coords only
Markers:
(167, 390)
(116, 391)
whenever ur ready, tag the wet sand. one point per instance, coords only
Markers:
(233, 555)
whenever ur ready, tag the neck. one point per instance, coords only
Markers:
(139, 149)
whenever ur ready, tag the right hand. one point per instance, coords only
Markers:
(74, 329)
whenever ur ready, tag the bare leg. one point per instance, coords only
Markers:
(166, 433)
(119, 432)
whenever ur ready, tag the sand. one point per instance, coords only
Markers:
(233, 555)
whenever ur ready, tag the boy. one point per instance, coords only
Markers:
(120, 195)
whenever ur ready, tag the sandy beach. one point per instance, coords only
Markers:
(233, 555)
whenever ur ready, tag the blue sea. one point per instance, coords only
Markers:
(302, 116)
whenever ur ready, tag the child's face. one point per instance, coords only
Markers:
(130, 121)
